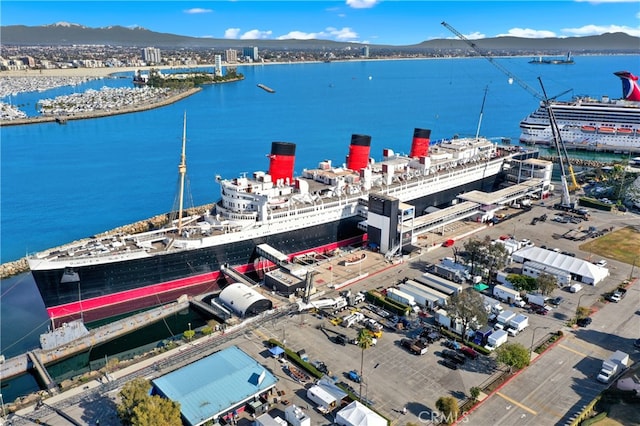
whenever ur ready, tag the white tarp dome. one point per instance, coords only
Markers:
(244, 300)
(580, 270)
(356, 414)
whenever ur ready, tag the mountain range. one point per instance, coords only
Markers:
(65, 34)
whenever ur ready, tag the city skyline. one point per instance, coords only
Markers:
(362, 21)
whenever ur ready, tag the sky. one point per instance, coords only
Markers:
(388, 22)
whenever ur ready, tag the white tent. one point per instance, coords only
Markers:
(581, 270)
(356, 414)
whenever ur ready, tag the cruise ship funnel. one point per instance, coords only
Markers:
(282, 159)
(420, 143)
(359, 149)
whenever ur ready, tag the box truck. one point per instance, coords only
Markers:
(508, 295)
(612, 365)
(503, 319)
(517, 324)
(495, 340)
(536, 299)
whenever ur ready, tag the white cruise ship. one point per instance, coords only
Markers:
(611, 125)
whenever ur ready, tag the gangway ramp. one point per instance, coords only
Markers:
(431, 221)
(237, 276)
(42, 372)
(269, 253)
(506, 195)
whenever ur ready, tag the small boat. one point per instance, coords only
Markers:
(266, 88)
(607, 130)
(624, 131)
(588, 129)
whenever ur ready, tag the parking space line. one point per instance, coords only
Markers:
(513, 401)
(573, 350)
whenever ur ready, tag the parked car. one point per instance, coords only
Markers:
(451, 344)
(449, 364)
(453, 356)
(353, 375)
(602, 263)
(556, 301)
(584, 322)
(469, 352)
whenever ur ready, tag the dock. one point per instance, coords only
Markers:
(37, 359)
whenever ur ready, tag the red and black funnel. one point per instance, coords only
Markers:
(420, 143)
(358, 157)
(283, 155)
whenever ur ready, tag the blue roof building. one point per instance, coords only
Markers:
(215, 385)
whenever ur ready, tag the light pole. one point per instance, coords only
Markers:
(579, 299)
(533, 337)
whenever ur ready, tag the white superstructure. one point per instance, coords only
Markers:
(590, 124)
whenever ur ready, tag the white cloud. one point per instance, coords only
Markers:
(362, 4)
(255, 35)
(330, 33)
(344, 34)
(197, 10)
(589, 30)
(231, 33)
(528, 33)
(299, 35)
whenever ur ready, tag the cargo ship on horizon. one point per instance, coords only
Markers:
(323, 209)
(589, 124)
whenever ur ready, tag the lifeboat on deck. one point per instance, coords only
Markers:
(588, 129)
(606, 130)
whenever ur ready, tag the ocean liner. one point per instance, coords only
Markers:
(590, 124)
(317, 211)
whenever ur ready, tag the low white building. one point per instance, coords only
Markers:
(356, 414)
(580, 270)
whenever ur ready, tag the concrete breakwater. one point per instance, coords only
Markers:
(20, 266)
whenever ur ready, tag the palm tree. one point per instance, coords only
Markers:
(364, 342)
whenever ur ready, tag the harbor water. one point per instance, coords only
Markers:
(61, 183)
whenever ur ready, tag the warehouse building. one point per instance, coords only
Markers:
(217, 386)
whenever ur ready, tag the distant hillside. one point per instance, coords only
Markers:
(63, 34)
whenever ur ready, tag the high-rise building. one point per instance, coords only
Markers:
(151, 55)
(218, 65)
(365, 51)
(231, 56)
(251, 53)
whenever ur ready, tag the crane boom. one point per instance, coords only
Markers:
(488, 57)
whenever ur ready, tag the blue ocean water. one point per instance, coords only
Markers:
(60, 183)
(65, 182)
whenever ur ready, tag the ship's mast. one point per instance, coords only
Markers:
(182, 170)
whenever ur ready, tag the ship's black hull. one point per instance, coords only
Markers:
(97, 281)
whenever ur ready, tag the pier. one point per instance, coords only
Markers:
(38, 359)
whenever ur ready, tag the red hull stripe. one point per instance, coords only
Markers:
(126, 296)
(75, 308)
